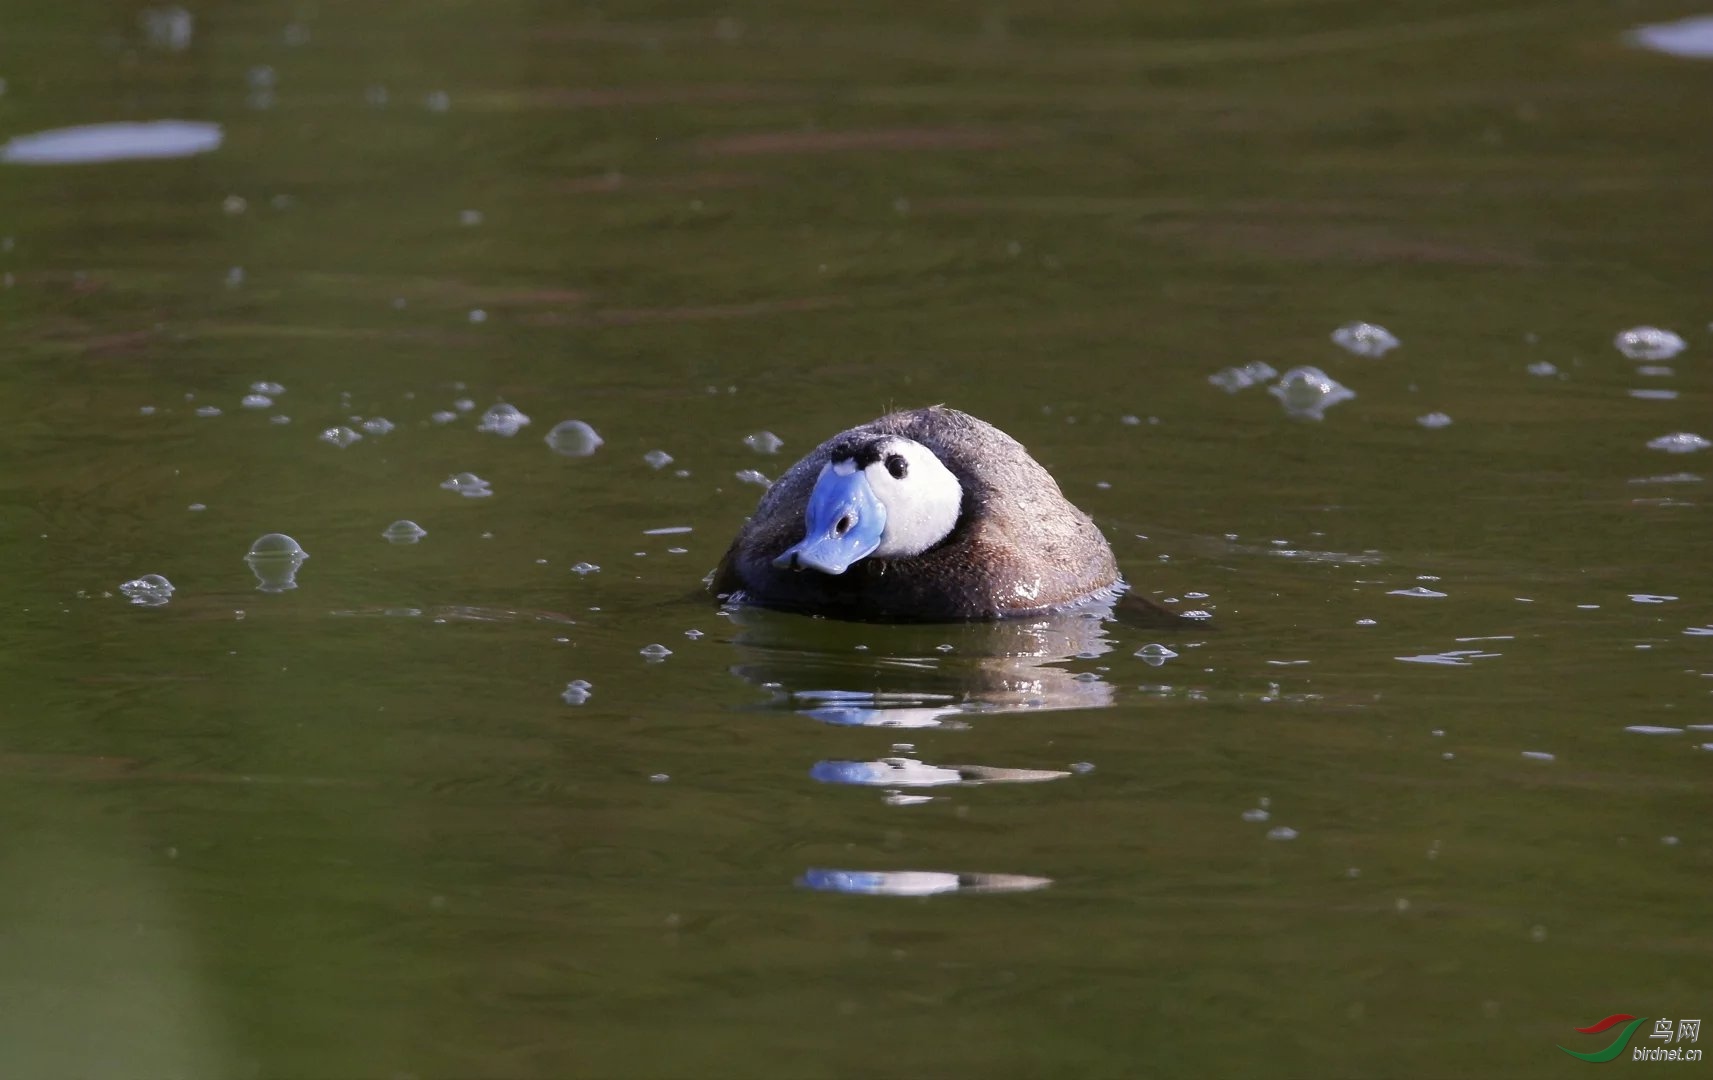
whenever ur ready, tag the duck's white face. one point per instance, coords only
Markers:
(891, 498)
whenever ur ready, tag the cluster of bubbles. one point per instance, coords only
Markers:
(467, 484)
(1679, 442)
(1365, 339)
(503, 420)
(150, 590)
(1306, 392)
(1648, 343)
(274, 558)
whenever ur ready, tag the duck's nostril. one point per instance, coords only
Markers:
(844, 526)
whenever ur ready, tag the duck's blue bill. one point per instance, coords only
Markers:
(843, 523)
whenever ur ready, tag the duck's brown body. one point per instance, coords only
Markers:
(1019, 546)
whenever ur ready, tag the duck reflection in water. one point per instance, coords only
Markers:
(921, 676)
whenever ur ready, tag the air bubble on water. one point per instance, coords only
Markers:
(659, 778)
(1282, 832)
(1082, 768)
(1434, 420)
(438, 101)
(1256, 814)
(1307, 392)
(150, 590)
(1652, 729)
(470, 218)
(403, 531)
(682, 474)
(1648, 343)
(1366, 622)
(1680, 442)
(340, 436)
(1233, 379)
(1542, 368)
(279, 418)
(577, 691)
(464, 404)
(1669, 841)
(208, 410)
(1154, 654)
(764, 442)
(573, 438)
(146, 410)
(657, 459)
(1130, 421)
(468, 485)
(1651, 598)
(750, 476)
(693, 635)
(585, 568)
(477, 315)
(234, 277)
(256, 401)
(1659, 371)
(170, 28)
(1421, 591)
(1539, 755)
(197, 507)
(274, 559)
(503, 419)
(262, 98)
(1364, 339)
(443, 416)
(378, 425)
(656, 651)
(1654, 395)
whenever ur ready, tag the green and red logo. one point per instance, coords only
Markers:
(1631, 1023)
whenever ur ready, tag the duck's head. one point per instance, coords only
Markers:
(878, 495)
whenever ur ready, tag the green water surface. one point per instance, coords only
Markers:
(352, 829)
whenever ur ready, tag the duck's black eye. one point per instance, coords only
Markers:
(897, 466)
